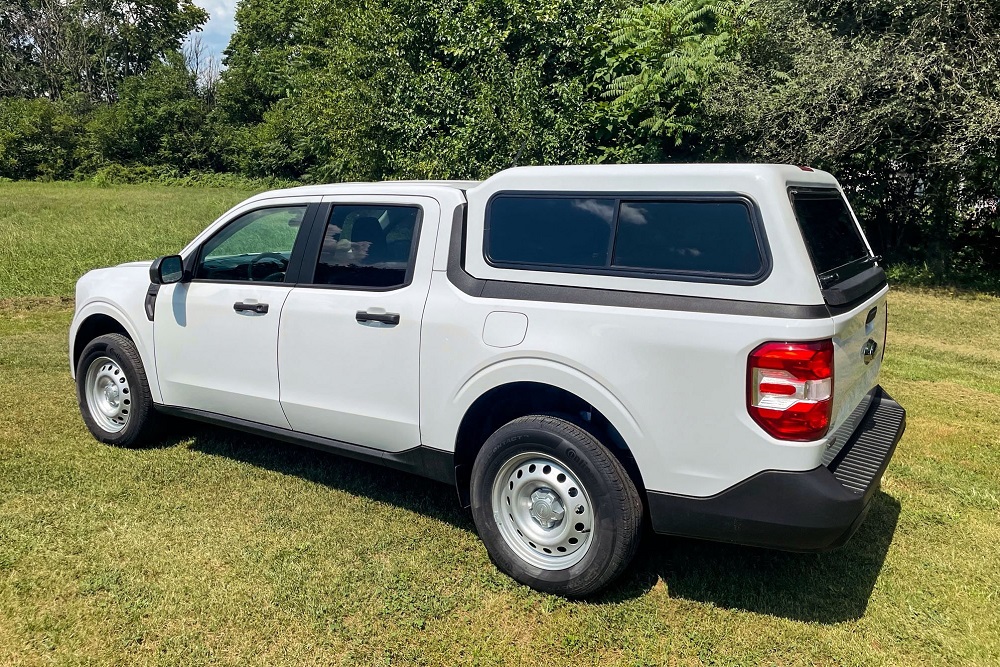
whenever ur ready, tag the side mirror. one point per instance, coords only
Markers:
(166, 270)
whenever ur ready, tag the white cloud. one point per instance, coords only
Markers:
(216, 32)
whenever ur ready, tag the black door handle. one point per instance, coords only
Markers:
(391, 319)
(239, 307)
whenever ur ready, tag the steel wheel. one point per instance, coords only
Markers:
(108, 395)
(543, 511)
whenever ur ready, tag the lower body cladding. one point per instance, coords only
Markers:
(813, 510)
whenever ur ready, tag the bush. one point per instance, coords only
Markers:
(116, 174)
(159, 119)
(38, 139)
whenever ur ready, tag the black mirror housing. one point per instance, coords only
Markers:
(166, 270)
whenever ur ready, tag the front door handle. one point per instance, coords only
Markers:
(392, 319)
(240, 307)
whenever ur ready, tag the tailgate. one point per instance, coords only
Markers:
(858, 342)
(853, 286)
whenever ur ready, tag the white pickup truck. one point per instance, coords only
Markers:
(580, 350)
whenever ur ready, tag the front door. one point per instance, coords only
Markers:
(216, 336)
(349, 340)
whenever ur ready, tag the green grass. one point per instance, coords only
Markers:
(217, 548)
(52, 233)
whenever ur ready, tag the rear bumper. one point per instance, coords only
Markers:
(811, 510)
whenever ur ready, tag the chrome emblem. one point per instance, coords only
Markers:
(868, 351)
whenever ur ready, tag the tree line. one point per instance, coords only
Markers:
(900, 99)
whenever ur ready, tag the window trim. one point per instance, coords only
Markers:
(619, 198)
(313, 250)
(193, 259)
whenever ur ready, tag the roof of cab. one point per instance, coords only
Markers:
(358, 188)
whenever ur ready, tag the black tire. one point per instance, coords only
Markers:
(141, 416)
(616, 504)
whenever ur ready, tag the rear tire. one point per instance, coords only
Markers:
(555, 509)
(113, 392)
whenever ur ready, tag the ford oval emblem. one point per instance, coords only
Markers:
(868, 351)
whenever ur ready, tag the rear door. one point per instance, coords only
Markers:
(349, 340)
(854, 287)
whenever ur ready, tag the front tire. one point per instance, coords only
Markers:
(555, 509)
(113, 392)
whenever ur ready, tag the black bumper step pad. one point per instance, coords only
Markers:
(859, 465)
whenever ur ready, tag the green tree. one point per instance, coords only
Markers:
(659, 60)
(38, 139)
(413, 87)
(899, 98)
(54, 48)
(159, 119)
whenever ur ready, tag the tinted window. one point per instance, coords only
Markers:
(368, 246)
(829, 231)
(255, 246)
(561, 231)
(687, 237)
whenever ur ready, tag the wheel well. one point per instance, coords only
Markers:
(92, 327)
(508, 402)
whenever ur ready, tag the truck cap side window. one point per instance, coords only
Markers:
(371, 246)
(705, 237)
(689, 238)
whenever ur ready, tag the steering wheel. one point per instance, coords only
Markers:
(271, 257)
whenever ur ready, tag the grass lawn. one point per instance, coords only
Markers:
(218, 548)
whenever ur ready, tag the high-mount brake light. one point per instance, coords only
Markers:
(790, 389)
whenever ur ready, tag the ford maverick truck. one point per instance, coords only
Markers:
(579, 350)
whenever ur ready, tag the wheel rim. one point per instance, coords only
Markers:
(109, 398)
(543, 511)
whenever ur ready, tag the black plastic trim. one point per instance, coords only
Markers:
(425, 461)
(150, 302)
(812, 510)
(854, 289)
(500, 289)
(620, 198)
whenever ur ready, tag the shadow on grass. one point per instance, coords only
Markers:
(380, 483)
(824, 588)
(829, 587)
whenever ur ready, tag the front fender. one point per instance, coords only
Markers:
(139, 330)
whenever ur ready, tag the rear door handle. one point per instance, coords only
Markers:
(392, 319)
(240, 306)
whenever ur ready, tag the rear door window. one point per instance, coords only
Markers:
(368, 246)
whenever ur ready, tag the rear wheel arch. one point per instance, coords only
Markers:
(504, 403)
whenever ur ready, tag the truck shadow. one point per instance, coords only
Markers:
(829, 587)
(824, 588)
(370, 480)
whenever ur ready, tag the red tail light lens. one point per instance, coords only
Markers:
(790, 389)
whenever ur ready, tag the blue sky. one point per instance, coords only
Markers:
(215, 34)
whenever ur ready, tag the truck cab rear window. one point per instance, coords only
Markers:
(830, 233)
(690, 237)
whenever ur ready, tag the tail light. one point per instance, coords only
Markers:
(790, 389)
